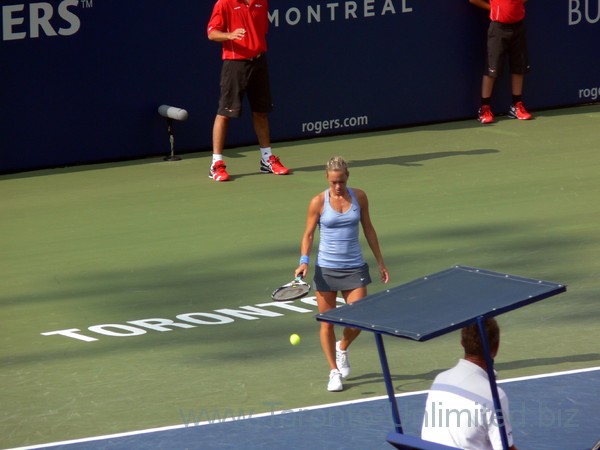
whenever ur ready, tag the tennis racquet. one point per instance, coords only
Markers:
(291, 291)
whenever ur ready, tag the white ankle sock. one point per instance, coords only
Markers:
(265, 153)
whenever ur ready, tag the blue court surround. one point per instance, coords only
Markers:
(547, 413)
(435, 305)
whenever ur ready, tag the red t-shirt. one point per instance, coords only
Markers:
(229, 15)
(507, 11)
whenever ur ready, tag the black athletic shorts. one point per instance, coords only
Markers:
(245, 77)
(506, 39)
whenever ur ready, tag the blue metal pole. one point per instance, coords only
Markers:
(489, 363)
(388, 382)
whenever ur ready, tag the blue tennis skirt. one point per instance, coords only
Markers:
(333, 280)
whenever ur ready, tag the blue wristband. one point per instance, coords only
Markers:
(304, 259)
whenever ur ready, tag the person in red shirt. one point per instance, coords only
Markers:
(241, 27)
(506, 36)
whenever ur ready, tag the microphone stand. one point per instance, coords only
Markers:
(172, 157)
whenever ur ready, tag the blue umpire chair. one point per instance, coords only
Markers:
(435, 305)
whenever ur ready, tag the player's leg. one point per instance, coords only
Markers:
(519, 65)
(217, 169)
(518, 80)
(260, 99)
(233, 88)
(517, 109)
(487, 87)
(326, 300)
(350, 334)
(261, 103)
(493, 68)
(261, 128)
(219, 133)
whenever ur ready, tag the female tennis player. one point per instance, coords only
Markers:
(340, 265)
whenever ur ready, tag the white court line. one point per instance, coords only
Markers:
(547, 375)
(275, 413)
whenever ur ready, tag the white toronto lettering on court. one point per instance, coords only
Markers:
(222, 316)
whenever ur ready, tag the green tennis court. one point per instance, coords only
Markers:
(133, 293)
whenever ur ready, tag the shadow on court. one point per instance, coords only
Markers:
(414, 160)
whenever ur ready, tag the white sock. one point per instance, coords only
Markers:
(265, 153)
(216, 158)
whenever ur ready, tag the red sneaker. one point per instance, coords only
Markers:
(217, 171)
(518, 111)
(273, 165)
(485, 114)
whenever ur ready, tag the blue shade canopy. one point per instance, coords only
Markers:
(440, 303)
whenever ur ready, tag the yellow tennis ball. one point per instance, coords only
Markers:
(294, 339)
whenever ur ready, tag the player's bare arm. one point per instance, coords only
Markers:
(312, 219)
(481, 3)
(370, 233)
(222, 36)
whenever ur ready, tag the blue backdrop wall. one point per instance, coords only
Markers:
(81, 80)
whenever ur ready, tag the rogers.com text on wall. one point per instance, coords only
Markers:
(590, 93)
(319, 126)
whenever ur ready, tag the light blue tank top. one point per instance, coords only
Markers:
(338, 236)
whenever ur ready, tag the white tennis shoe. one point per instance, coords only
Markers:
(341, 360)
(335, 381)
